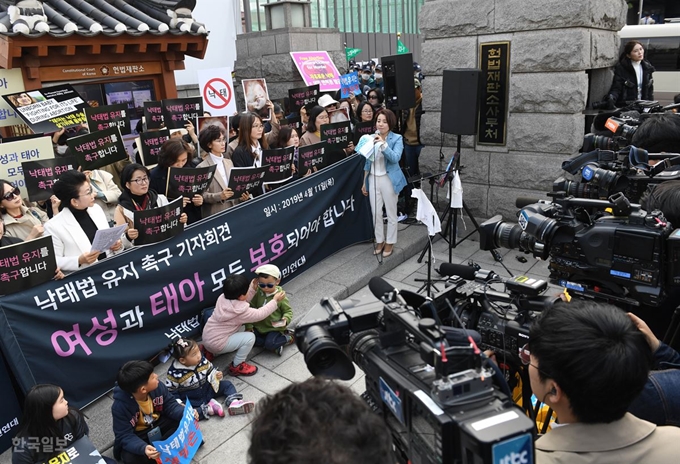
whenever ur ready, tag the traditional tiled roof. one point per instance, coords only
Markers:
(93, 17)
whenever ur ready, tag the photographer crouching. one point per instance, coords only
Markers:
(588, 362)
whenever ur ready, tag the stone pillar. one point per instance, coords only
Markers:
(266, 54)
(552, 45)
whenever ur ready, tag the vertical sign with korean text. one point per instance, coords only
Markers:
(12, 154)
(336, 135)
(187, 182)
(151, 145)
(103, 117)
(181, 446)
(98, 149)
(26, 264)
(280, 162)
(153, 114)
(297, 98)
(158, 224)
(177, 111)
(493, 109)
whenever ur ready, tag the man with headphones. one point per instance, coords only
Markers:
(588, 362)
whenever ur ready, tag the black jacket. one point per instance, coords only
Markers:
(72, 428)
(624, 87)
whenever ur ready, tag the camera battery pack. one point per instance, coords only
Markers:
(526, 285)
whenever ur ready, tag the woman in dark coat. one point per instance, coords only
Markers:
(632, 76)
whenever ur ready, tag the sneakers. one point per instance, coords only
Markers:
(402, 217)
(215, 408)
(279, 350)
(206, 410)
(290, 339)
(240, 407)
(242, 369)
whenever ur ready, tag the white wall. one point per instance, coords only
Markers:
(222, 18)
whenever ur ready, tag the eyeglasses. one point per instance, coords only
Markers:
(367, 111)
(140, 181)
(267, 285)
(89, 192)
(525, 357)
(257, 126)
(10, 195)
(373, 97)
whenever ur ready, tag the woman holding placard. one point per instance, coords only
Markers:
(251, 142)
(73, 230)
(218, 196)
(137, 196)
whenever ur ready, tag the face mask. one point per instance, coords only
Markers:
(61, 149)
(378, 77)
(365, 76)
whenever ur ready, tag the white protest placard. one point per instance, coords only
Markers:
(11, 81)
(12, 154)
(217, 90)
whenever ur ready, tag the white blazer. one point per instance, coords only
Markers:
(70, 240)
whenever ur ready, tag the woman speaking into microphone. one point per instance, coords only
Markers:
(383, 180)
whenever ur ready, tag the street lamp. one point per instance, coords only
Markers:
(288, 13)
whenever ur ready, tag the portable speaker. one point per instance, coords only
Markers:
(460, 101)
(400, 93)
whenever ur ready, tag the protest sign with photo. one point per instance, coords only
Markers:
(256, 97)
(49, 109)
(178, 111)
(11, 81)
(98, 149)
(220, 121)
(249, 180)
(349, 84)
(311, 157)
(12, 154)
(181, 446)
(297, 98)
(151, 145)
(103, 117)
(187, 182)
(338, 115)
(158, 224)
(336, 135)
(317, 68)
(280, 162)
(27, 264)
(40, 175)
(153, 114)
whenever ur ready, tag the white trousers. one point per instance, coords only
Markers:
(381, 192)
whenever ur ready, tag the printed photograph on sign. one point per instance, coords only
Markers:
(220, 121)
(255, 93)
(339, 115)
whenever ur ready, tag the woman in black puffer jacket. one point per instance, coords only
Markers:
(632, 76)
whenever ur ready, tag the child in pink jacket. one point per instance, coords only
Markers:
(224, 331)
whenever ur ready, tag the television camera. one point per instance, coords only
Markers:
(624, 256)
(426, 378)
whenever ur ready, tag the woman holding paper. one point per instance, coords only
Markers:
(383, 180)
(137, 196)
(218, 196)
(174, 154)
(73, 230)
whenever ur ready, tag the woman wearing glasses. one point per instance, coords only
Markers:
(251, 142)
(20, 222)
(137, 196)
(376, 98)
(74, 228)
(218, 196)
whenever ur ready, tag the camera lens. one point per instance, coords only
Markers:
(610, 181)
(323, 355)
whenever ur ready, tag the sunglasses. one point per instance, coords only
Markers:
(10, 195)
(267, 285)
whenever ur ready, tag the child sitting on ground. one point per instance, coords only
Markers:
(271, 332)
(143, 411)
(192, 376)
(224, 331)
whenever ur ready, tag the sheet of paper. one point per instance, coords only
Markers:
(365, 145)
(214, 382)
(105, 238)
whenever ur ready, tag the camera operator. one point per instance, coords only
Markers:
(659, 133)
(318, 421)
(659, 401)
(588, 362)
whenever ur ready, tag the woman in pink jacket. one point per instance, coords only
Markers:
(224, 331)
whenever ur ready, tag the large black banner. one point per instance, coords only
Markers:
(77, 332)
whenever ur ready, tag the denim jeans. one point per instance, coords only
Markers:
(659, 401)
(270, 340)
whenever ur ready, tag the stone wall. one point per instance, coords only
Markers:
(552, 45)
(266, 54)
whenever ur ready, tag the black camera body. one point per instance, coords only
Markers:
(630, 257)
(436, 397)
